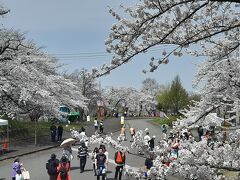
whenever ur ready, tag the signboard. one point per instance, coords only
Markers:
(122, 120)
(88, 118)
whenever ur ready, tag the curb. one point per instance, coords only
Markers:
(39, 150)
(54, 146)
(27, 153)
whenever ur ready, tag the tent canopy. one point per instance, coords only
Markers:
(3, 122)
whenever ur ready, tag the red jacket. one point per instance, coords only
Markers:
(68, 169)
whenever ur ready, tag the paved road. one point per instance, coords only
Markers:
(35, 163)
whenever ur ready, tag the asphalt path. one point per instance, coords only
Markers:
(35, 163)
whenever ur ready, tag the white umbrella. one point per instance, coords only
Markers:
(68, 142)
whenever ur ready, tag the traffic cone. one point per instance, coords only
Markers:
(5, 145)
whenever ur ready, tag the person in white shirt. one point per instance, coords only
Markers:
(146, 138)
(96, 124)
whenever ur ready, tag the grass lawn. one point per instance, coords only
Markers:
(161, 121)
(25, 130)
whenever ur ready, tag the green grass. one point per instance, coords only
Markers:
(161, 121)
(23, 130)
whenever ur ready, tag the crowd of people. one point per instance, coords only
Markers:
(59, 170)
(141, 140)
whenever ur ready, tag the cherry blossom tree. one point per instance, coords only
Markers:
(150, 86)
(219, 86)
(88, 87)
(132, 99)
(29, 81)
(201, 28)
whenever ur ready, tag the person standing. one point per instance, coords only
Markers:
(101, 164)
(96, 124)
(16, 167)
(82, 155)
(59, 132)
(51, 167)
(63, 169)
(120, 162)
(53, 130)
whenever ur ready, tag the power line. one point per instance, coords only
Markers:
(91, 55)
(88, 54)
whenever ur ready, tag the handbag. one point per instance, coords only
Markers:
(25, 174)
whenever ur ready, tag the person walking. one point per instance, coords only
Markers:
(123, 132)
(148, 164)
(63, 169)
(101, 127)
(51, 167)
(164, 130)
(107, 159)
(82, 132)
(146, 139)
(94, 154)
(132, 133)
(200, 133)
(82, 155)
(53, 130)
(59, 132)
(151, 143)
(96, 124)
(119, 158)
(16, 167)
(101, 164)
(67, 152)
(175, 148)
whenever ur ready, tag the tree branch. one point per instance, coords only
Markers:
(235, 1)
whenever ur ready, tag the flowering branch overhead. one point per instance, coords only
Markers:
(178, 24)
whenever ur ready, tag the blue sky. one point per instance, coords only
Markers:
(75, 31)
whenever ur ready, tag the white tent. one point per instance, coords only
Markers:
(3, 122)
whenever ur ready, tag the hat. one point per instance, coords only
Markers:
(53, 156)
(154, 137)
(64, 159)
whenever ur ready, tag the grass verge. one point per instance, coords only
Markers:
(19, 131)
(161, 121)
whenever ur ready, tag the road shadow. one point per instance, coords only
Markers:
(88, 170)
(78, 168)
(74, 168)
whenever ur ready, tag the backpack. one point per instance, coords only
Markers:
(63, 172)
(51, 167)
(119, 158)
